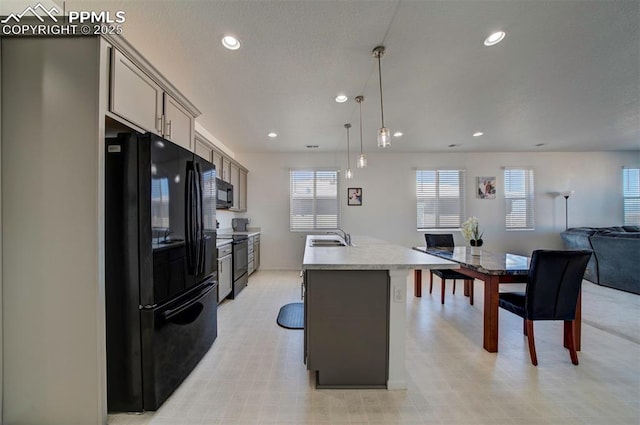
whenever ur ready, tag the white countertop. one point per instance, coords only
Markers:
(223, 242)
(247, 233)
(369, 254)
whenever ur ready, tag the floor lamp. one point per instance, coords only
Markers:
(566, 195)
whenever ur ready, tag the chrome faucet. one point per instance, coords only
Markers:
(345, 235)
(166, 234)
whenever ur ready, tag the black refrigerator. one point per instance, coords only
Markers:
(160, 268)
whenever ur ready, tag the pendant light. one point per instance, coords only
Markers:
(384, 135)
(348, 174)
(362, 159)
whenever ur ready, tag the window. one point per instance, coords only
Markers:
(631, 194)
(440, 198)
(160, 203)
(518, 198)
(209, 199)
(313, 200)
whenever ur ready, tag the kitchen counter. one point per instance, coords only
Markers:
(167, 245)
(343, 284)
(247, 233)
(368, 253)
(222, 242)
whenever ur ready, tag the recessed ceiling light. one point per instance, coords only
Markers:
(272, 135)
(494, 38)
(398, 134)
(478, 134)
(230, 42)
(341, 98)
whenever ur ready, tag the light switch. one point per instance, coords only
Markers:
(398, 295)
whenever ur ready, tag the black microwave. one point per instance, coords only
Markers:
(224, 194)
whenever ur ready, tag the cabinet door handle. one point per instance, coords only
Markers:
(168, 128)
(159, 126)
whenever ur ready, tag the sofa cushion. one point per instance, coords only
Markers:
(578, 238)
(610, 234)
(610, 229)
(618, 258)
(615, 261)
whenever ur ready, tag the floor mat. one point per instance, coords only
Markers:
(291, 316)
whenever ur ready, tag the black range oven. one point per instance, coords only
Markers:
(240, 264)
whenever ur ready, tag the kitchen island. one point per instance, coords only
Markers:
(355, 310)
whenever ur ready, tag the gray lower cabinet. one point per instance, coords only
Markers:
(256, 253)
(346, 331)
(225, 272)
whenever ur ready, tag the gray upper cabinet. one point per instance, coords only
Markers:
(134, 95)
(217, 161)
(242, 201)
(235, 181)
(137, 98)
(178, 123)
(226, 170)
(204, 150)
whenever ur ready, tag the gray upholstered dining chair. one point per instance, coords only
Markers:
(446, 241)
(553, 287)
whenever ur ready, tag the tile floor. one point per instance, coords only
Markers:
(254, 372)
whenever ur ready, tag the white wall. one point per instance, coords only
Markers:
(53, 316)
(389, 206)
(224, 217)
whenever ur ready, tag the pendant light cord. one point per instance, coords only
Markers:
(380, 79)
(347, 126)
(360, 103)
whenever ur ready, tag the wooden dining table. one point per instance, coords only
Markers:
(494, 269)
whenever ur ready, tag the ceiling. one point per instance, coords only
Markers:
(567, 75)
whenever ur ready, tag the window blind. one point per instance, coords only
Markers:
(631, 196)
(518, 198)
(440, 198)
(209, 199)
(313, 200)
(160, 203)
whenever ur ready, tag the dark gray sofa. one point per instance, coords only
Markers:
(616, 254)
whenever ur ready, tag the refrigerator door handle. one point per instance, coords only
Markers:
(190, 225)
(194, 220)
(169, 314)
(187, 216)
(200, 221)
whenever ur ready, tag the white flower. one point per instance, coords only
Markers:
(471, 230)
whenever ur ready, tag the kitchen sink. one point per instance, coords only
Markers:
(168, 241)
(326, 242)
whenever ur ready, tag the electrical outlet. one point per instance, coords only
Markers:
(397, 295)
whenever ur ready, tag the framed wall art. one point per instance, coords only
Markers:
(486, 187)
(354, 196)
